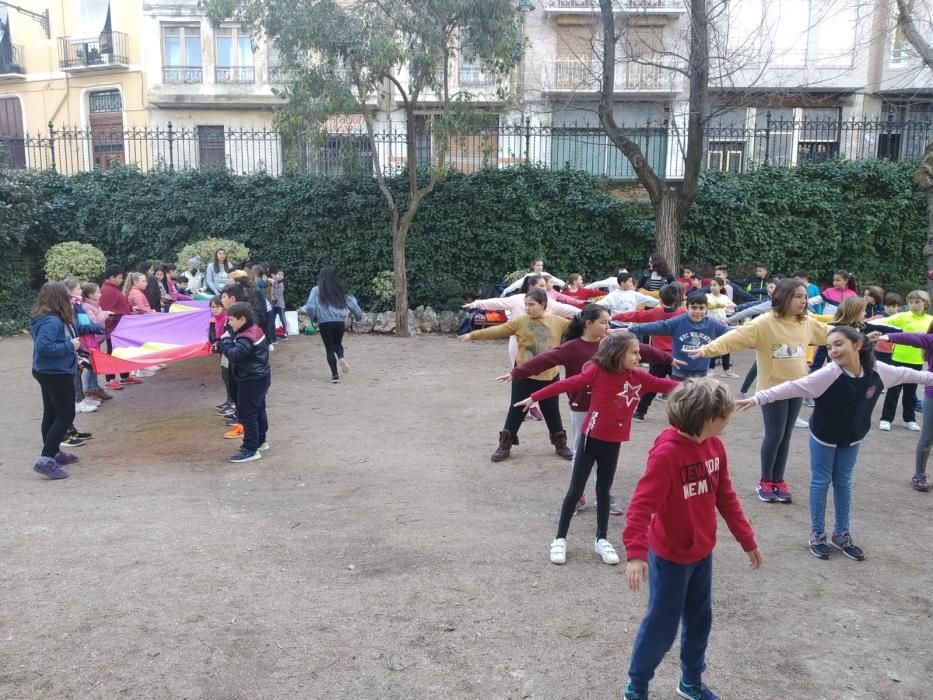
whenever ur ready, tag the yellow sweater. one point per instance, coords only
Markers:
(534, 335)
(780, 345)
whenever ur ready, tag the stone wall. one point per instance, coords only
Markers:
(424, 319)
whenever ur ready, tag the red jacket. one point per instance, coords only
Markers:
(655, 313)
(112, 299)
(613, 400)
(583, 293)
(573, 355)
(673, 509)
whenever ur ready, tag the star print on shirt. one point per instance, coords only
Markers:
(631, 393)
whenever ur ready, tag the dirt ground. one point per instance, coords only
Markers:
(376, 552)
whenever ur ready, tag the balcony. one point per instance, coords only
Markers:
(647, 7)
(182, 75)
(474, 76)
(107, 53)
(235, 74)
(577, 75)
(11, 67)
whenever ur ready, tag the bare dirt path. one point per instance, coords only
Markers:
(375, 552)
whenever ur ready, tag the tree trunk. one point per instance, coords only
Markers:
(400, 270)
(668, 219)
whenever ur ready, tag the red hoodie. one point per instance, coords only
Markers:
(673, 509)
(613, 400)
(655, 313)
(112, 299)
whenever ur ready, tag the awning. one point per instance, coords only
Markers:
(92, 16)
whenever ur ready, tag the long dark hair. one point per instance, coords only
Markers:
(659, 264)
(577, 325)
(216, 263)
(849, 278)
(611, 350)
(331, 288)
(53, 300)
(529, 282)
(866, 355)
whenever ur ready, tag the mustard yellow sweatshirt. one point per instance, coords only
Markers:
(534, 335)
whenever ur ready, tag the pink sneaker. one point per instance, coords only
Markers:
(765, 491)
(781, 493)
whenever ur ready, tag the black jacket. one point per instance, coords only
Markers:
(248, 353)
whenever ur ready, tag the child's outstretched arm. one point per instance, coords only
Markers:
(578, 381)
(811, 386)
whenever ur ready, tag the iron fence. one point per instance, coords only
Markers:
(584, 146)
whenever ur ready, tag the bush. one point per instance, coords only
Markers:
(72, 259)
(236, 252)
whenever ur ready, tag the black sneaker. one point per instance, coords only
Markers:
(919, 482)
(639, 417)
(72, 441)
(245, 456)
(632, 694)
(844, 543)
(80, 435)
(818, 546)
(223, 405)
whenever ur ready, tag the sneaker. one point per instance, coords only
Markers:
(884, 425)
(606, 551)
(801, 423)
(781, 493)
(49, 468)
(264, 446)
(78, 434)
(695, 692)
(113, 385)
(98, 393)
(614, 507)
(728, 374)
(559, 551)
(131, 380)
(844, 543)
(818, 546)
(73, 441)
(143, 373)
(919, 482)
(344, 367)
(223, 406)
(912, 426)
(235, 432)
(245, 456)
(271, 347)
(228, 413)
(82, 407)
(632, 694)
(335, 380)
(536, 414)
(65, 458)
(765, 491)
(638, 417)
(581, 505)
(91, 401)
(807, 401)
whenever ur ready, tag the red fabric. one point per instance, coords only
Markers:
(656, 313)
(582, 294)
(613, 399)
(881, 345)
(112, 299)
(108, 364)
(565, 299)
(673, 509)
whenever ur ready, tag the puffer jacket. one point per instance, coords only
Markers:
(248, 353)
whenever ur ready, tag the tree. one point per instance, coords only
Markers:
(345, 58)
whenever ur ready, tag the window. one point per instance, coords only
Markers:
(211, 152)
(181, 54)
(234, 56)
(774, 131)
(727, 156)
(12, 138)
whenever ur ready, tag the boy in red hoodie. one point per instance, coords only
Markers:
(672, 296)
(670, 531)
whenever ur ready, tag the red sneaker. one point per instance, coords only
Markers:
(114, 385)
(781, 493)
(765, 491)
(131, 380)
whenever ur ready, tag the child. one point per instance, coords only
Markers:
(915, 320)
(135, 291)
(616, 384)
(845, 393)
(248, 353)
(170, 276)
(625, 298)
(758, 285)
(278, 300)
(670, 532)
(719, 307)
(689, 330)
(328, 305)
(578, 291)
(874, 301)
(90, 302)
(181, 286)
(84, 330)
(535, 267)
(54, 364)
(232, 294)
(671, 296)
(214, 332)
(892, 305)
(536, 332)
(843, 286)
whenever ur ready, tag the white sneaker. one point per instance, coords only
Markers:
(884, 425)
(344, 367)
(913, 426)
(82, 407)
(801, 423)
(90, 401)
(559, 551)
(271, 347)
(143, 373)
(606, 551)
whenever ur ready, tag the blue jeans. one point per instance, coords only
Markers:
(831, 464)
(678, 594)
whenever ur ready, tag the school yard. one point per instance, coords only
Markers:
(376, 552)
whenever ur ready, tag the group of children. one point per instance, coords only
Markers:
(670, 520)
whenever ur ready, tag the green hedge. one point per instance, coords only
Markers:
(867, 216)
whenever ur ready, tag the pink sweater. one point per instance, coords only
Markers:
(138, 302)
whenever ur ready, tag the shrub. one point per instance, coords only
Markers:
(236, 252)
(72, 259)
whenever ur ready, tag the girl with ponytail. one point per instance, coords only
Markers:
(845, 393)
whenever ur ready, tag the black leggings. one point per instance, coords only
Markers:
(606, 456)
(779, 418)
(655, 370)
(908, 400)
(109, 351)
(550, 408)
(726, 362)
(332, 335)
(750, 377)
(58, 409)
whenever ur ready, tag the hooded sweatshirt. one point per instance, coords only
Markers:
(673, 509)
(112, 299)
(658, 313)
(52, 351)
(684, 333)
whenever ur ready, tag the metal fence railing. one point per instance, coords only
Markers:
(584, 146)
